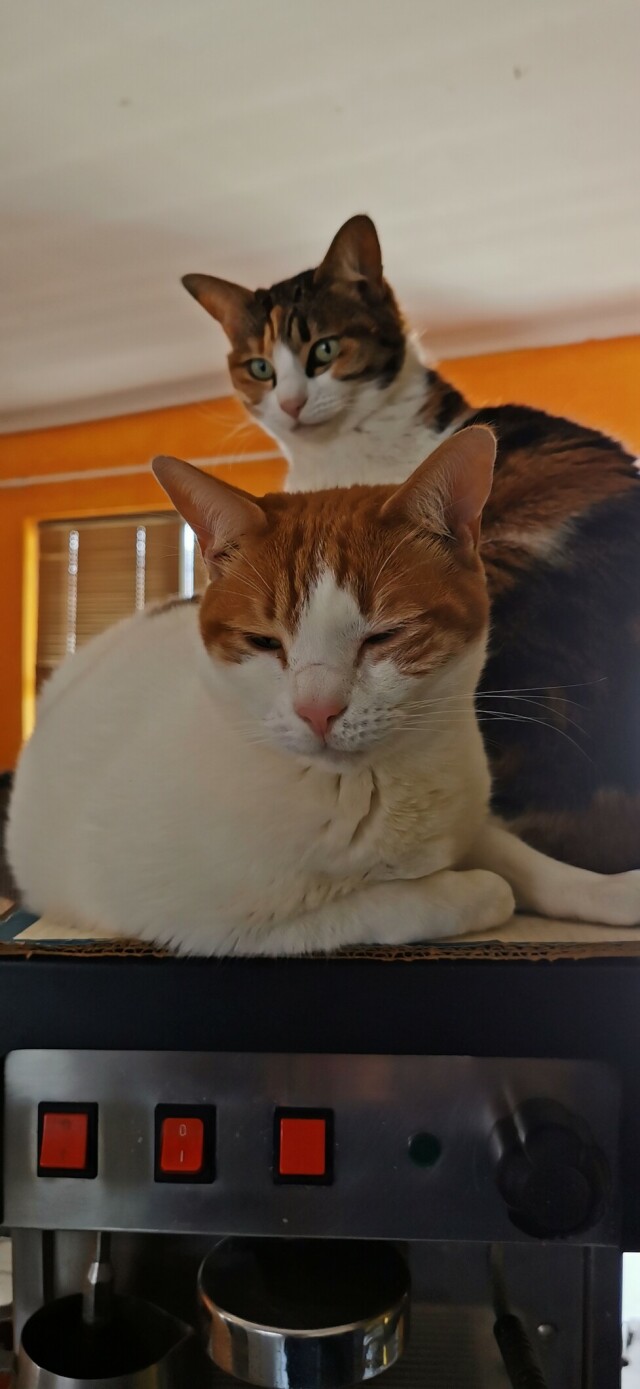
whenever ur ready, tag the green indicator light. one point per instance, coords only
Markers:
(425, 1149)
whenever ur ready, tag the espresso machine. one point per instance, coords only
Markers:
(417, 1165)
(311, 1220)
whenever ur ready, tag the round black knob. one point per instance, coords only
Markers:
(550, 1172)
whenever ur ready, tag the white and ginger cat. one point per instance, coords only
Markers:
(293, 764)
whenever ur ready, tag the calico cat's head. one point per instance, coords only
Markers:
(331, 616)
(306, 350)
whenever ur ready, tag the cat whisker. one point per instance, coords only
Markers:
(515, 690)
(264, 585)
(234, 593)
(476, 700)
(540, 689)
(540, 704)
(523, 699)
(498, 716)
(388, 559)
(238, 426)
(389, 583)
(249, 584)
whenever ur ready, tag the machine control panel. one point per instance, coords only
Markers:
(400, 1147)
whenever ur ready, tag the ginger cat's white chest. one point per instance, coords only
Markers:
(399, 820)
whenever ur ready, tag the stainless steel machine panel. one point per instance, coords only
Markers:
(440, 1187)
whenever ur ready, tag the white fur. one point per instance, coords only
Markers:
(159, 798)
(292, 382)
(348, 432)
(553, 544)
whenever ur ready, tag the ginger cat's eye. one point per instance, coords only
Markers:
(261, 369)
(263, 643)
(377, 638)
(324, 352)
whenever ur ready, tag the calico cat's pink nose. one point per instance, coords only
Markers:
(320, 716)
(293, 405)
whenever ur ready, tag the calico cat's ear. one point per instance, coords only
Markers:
(225, 301)
(449, 490)
(354, 253)
(219, 514)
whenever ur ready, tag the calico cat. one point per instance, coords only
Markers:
(324, 362)
(293, 763)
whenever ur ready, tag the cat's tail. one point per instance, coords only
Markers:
(550, 888)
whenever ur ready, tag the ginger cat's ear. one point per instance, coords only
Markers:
(225, 301)
(219, 514)
(449, 490)
(354, 253)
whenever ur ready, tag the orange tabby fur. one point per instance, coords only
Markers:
(269, 580)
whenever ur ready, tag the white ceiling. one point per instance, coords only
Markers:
(496, 143)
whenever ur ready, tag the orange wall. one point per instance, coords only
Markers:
(207, 430)
(596, 382)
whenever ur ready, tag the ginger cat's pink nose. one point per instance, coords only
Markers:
(320, 716)
(293, 406)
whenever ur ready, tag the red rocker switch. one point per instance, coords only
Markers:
(67, 1140)
(185, 1143)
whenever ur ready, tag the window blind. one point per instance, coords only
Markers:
(92, 573)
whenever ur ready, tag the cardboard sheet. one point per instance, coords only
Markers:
(524, 937)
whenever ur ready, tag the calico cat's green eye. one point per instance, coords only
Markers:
(325, 351)
(261, 369)
(263, 643)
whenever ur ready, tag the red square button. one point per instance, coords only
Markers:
(303, 1147)
(64, 1142)
(182, 1146)
(185, 1143)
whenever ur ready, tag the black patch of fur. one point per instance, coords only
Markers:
(519, 427)
(301, 324)
(451, 406)
(392, 367)
(569, 631)
(565, 636)
(294, 291)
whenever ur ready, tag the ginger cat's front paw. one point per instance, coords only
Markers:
(443, 905)
(492, 903)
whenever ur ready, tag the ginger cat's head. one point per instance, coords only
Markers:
(306, 350)
(331, 615)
